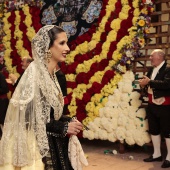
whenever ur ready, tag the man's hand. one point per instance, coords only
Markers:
(143, 82)
(13, 78)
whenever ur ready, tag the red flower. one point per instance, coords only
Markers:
(98, 48)
(71, 68)
(69, 97)
(80, 113)
(80, 58)
(107, 27)
(71, 84)
(103, 36)
(81, 77)
(94, 67)
(109, 55)
(86, 97)
(108, 76)
(79, 102)
(103, 63)
(96, 87)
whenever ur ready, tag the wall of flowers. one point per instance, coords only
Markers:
(98, 68)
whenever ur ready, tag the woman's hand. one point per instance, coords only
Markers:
(74, 127)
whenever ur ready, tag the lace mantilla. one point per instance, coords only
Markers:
(24, 137)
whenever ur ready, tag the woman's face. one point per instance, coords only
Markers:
(60, 48)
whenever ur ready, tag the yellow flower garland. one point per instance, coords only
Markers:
(7, 43)
(18, 34)
(28, 22)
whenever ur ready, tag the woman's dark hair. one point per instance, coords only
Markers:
(53, 34)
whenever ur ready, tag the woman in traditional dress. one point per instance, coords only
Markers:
(35, 132)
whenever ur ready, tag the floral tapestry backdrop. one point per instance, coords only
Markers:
(105, 38)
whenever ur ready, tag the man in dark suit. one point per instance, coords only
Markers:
(157, 84)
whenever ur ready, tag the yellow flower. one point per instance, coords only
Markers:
(147, 30)
(115, 24)
(112, 36)
(80, 68)
(96, 36)
(69, 90)
(135, 3)
(145, 11)
(123, 16)
(136, 12)
(90, 107)
(72, 109)
(124, 2)
(106, 45)
(92, 44)
(96, 110)
(83, 48)
(141, 23)
(104, 101)
(134, 20)
(70, 77)
(141, 41)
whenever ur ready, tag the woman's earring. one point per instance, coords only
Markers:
(48, 55)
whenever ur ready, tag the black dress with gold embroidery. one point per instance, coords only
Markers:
(57, 158)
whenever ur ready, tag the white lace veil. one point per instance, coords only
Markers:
(24, 137)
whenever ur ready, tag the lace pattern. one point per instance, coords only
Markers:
(24, 137)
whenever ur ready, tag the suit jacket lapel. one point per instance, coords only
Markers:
(161, 70)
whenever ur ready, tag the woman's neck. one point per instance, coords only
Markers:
(51, 67)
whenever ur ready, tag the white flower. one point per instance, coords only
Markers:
(107, 111)
(128, 53)
(123, 105)
(93, 126)
(127, 87)
(88, 134)
(146, 137)
(138, 137)
(101, 112)
(106, 124)
(130, 124)
(111, 137)
(141, 113)
(97, 121)
(131, 157)
(136, 103)
(114, 152)
(103, 134)
(117, 95)
(129, 75)
(122, 120)
(120, 133)
(113, 123)
(109, 104)
(132, 114)
(96, 135)
(115, 113)
(130, 141)
(134, 95)
(125, 97)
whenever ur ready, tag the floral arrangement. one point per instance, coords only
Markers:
(131, 50)
(121, 118)
(98, 58)
(19, 28)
